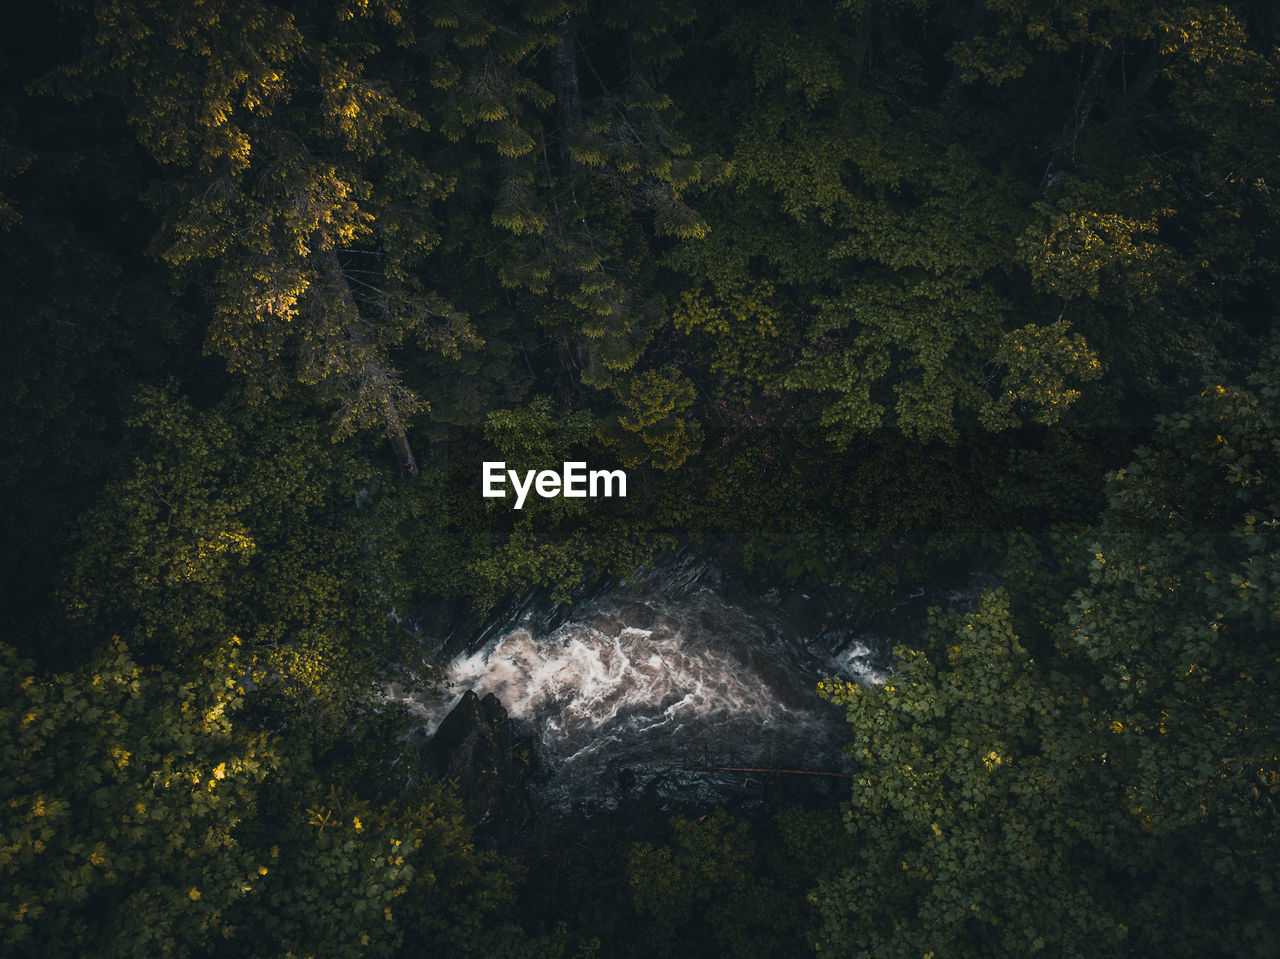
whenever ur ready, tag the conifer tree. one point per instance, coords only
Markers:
(313, 159)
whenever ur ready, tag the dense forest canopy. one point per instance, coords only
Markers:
(852, 290)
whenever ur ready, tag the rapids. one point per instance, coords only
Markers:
(637, 687)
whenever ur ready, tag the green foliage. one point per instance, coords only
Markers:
(318, 169)
(538, 436)
(912, 246)
(729, 886)
(705, 862)
(951, 248)
(890, 250)
(145, 821)
(284, 152)
(84, 326)
(968, 838)
(120, 818)
(1107, 782)
(1040, 363)
(351, 878)
(492, 550)
(719, 885)
(657, 406)
(246, 521)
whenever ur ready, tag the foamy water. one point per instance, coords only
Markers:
(652, 685)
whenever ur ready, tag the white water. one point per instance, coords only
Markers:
(652, 685)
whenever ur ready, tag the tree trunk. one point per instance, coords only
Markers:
(1087, 94)
(375, 371)
(564, 64)
(1087, 91)
(404, 455)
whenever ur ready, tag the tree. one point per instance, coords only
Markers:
(120, 816)
(1091, 769)
(969, 840)
(945, 215)
(143, 819)
(725, 886)
(562, 543)
(858, 257)
(298, 195)
(244, 520)
(86, 321)
(314, 158)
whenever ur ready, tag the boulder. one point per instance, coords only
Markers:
(477, 747)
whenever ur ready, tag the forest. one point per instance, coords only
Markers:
(853, 293)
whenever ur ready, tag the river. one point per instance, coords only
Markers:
(649, 684)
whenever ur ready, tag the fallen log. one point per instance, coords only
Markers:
(757, 769)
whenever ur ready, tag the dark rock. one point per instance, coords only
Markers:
(476, 745)
(460, 634)
(445, 624)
